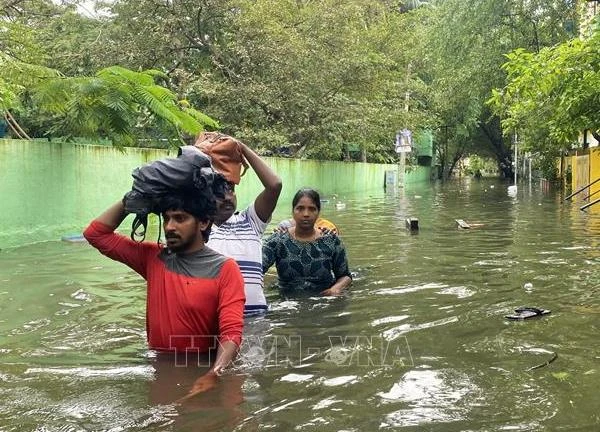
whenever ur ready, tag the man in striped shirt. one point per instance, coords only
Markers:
(239, 234)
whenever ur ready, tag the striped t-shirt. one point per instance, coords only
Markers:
(240, 238)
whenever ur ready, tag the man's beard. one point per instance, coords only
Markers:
(180, 246)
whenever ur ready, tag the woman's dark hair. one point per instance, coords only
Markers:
(201, 205)
(307, 192)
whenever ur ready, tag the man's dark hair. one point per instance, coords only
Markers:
(310, 193)
(201, 205)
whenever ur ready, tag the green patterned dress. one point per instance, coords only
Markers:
(305, 266)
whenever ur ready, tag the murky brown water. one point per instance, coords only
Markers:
(421, 343)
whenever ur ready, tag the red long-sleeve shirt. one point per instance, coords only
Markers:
(193, 299)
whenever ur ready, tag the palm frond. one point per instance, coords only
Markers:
(156, 73)
(120, 73)
(201, 117)
(112, 103)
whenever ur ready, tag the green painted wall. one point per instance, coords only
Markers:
(417, 174)
(423, 143)
(48, 190)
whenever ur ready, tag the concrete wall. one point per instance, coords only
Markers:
(51, 189)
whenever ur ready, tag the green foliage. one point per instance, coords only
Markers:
(300, 78)
(16, 77)
(546, 164)
(21, 53)
(481, 164)
(551, 96)
(464, 49)
(115, 103)
(283, 76)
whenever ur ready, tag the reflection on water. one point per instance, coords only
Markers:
(421, 343)
(429, 397)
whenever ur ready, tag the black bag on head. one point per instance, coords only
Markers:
(190, 172)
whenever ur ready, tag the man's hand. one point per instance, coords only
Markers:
(326, 231)
(225, 355)
(284, 226)
(205, 383)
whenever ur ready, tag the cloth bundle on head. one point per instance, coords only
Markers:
(225, 153)
(188, 174)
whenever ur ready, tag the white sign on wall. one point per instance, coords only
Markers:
(403, 141)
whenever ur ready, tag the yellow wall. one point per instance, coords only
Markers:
(582, 176)
(585, 168)
(594, 174)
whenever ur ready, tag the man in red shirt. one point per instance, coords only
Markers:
(195, 296)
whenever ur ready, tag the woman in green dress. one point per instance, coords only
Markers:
(306, 258)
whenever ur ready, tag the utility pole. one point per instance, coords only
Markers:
(402, 163)
(512, 190)
(516, 165)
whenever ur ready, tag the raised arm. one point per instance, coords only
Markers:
(113, 216)
(266, 200)
(100, 234)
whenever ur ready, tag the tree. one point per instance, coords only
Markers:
(466, 43)
(117, 103)
(282, 77)
(551, 96)
(25, 57)
(67, 99)
(297, 77)
(168, 35)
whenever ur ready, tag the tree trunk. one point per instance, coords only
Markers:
(493, 132)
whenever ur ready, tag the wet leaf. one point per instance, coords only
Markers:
(561, 376)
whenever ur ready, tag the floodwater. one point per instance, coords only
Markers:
(420, 343)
